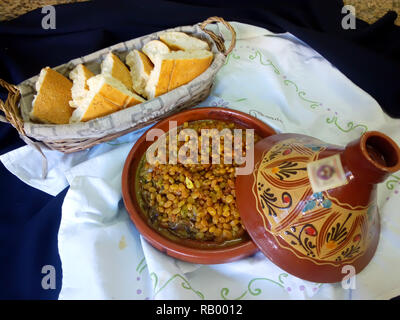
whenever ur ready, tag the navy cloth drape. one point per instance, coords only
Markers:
(29, 219)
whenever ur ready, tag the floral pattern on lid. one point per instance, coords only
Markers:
(313, 225)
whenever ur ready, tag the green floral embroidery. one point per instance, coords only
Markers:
(140, 268)
(313, 104)
(256, 114)
(287, 82)
(234, 56)
(269, 62)
(393, 179)
(185, 284)
(225, 291)
(301, 94)
(256, 291)
(154, 278)
(350, 125)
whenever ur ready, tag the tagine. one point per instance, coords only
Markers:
(313, 205)
(309, 206)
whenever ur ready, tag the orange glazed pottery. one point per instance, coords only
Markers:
(311, 206)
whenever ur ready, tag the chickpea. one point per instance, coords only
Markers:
(171, 197)
(227, 234)
(229, 199)
(181, 203)
(168, 204)
(202, 196)
(211, 211)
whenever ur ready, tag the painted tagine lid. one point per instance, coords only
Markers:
(311, 207)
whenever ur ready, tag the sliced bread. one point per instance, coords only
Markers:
(79, 75)
(175, 69)
(92, 106)
(114, 67)
(113, 90)
(106, 95)
(181, 41)
(141, 67)
(51, 103)
(153, 49)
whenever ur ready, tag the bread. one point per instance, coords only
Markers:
(188, 65)
(141, 67)
(94, 105)
(113, 90)
(51, 103)
(79, 75)
(114, 67)
(181, 41)
(175, 69)
(153, 71)
(153, 49)
(106, 95)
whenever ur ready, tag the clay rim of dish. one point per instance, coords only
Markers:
(154, 237)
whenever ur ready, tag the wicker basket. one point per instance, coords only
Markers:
(75, 137)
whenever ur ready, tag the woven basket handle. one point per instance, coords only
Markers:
(10, 107)
(219, 41)
(12, 116)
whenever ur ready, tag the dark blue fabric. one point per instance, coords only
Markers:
(29, 219)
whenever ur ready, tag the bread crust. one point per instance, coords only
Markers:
(167, 66)
(175, 71)
(87, 74)
(141, 67)
(52, 101)
(99, 107)
(185, 70)
(176, 40)
(117, 97)
(147, 64)
(121, 72)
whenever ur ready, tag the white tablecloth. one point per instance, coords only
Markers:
(278, 79)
